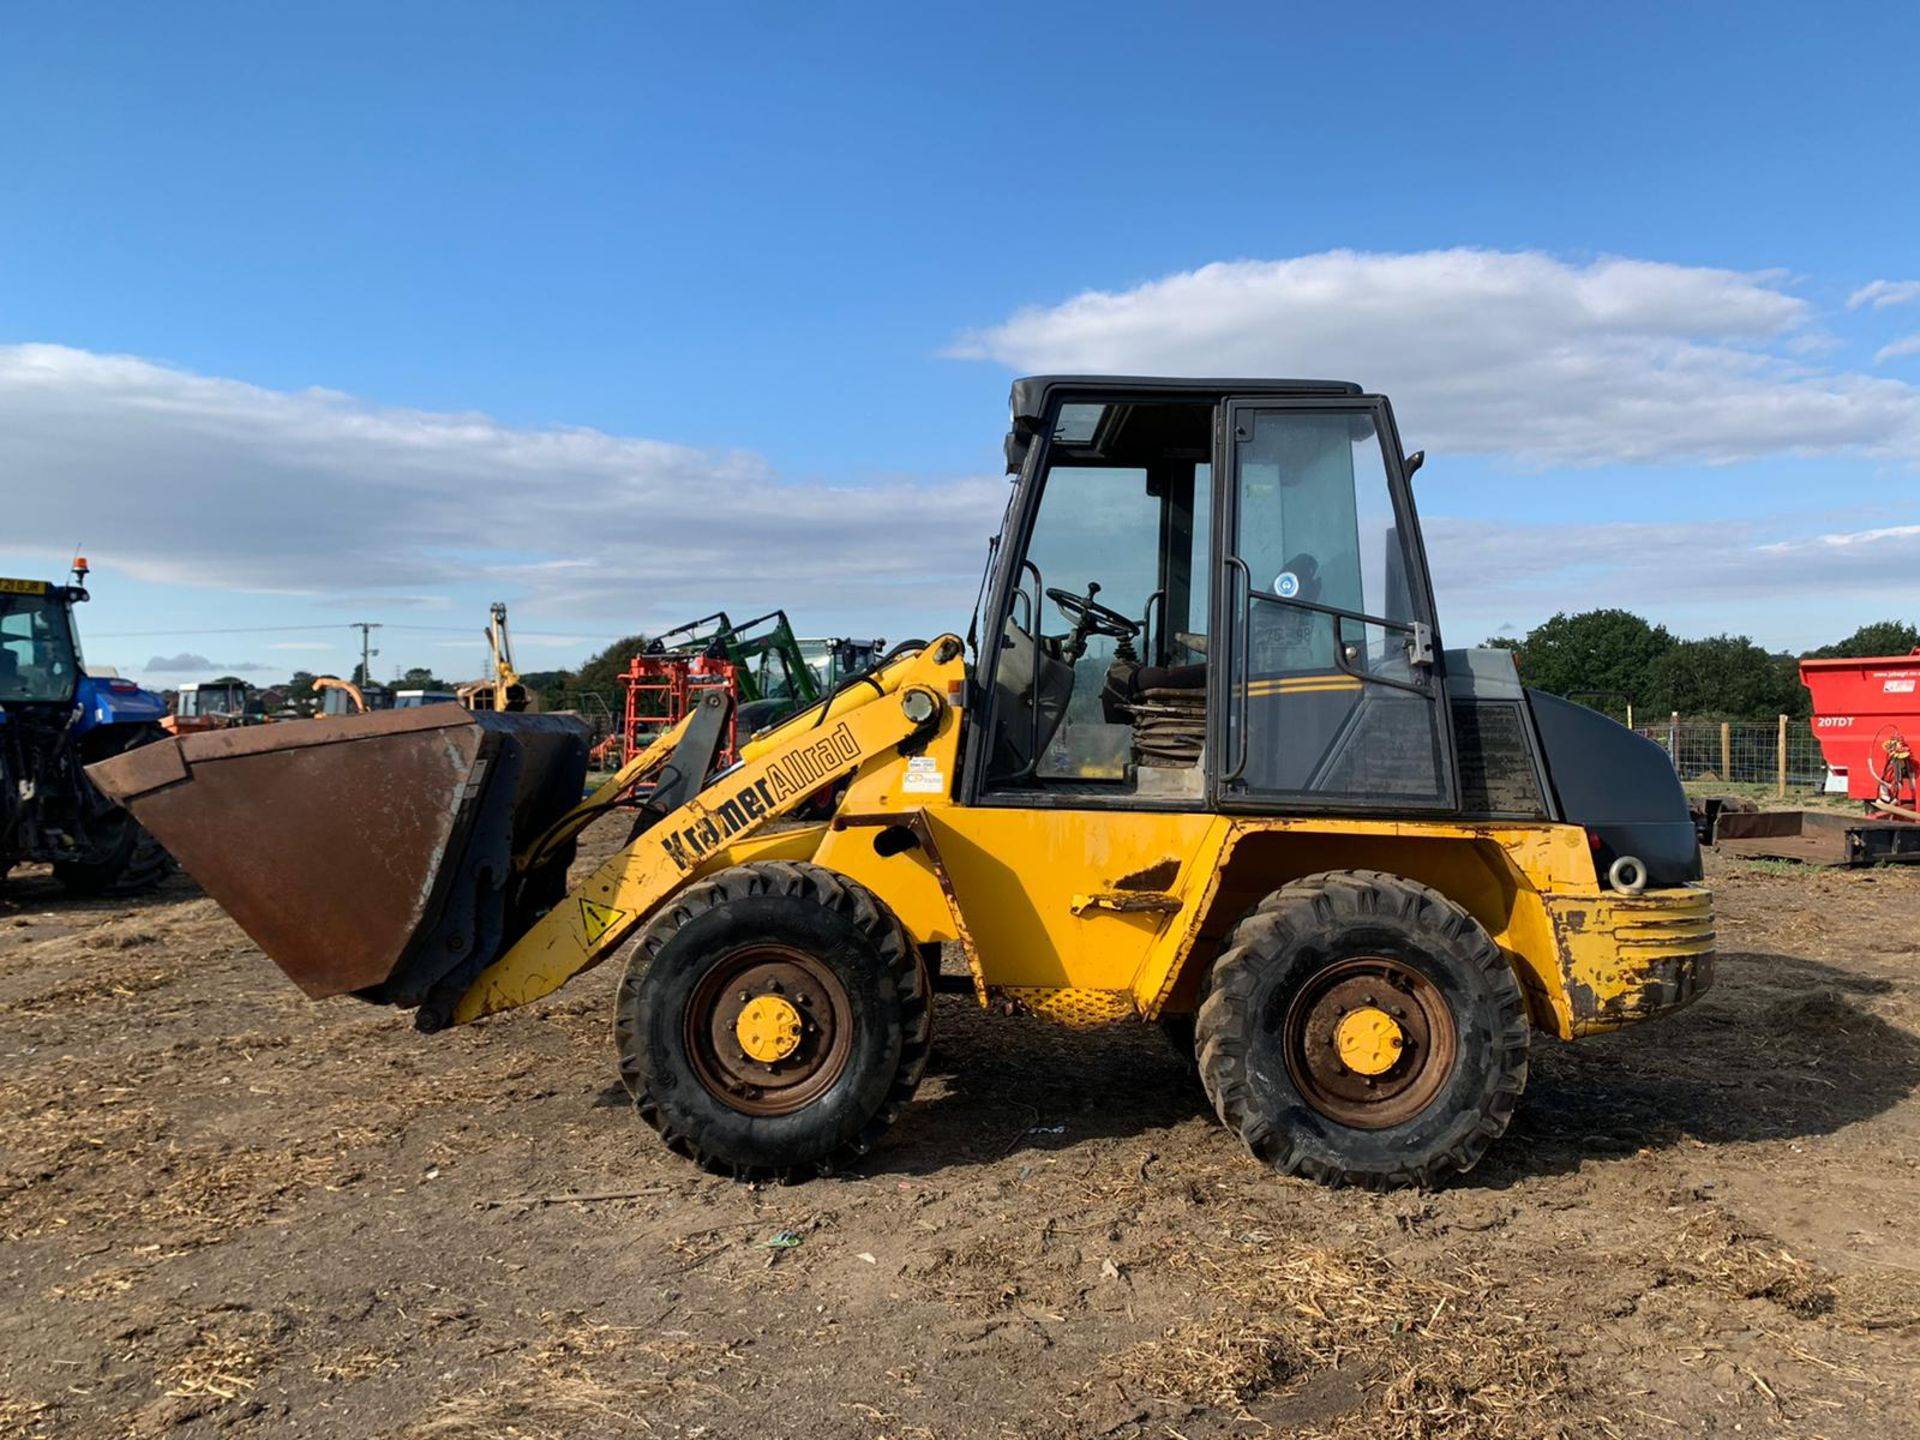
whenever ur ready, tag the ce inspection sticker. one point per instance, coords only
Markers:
(1286, 585)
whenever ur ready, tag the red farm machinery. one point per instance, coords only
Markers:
(766, 671)
(661, 690)
(1866, 717)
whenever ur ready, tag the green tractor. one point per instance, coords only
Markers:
(776, 673)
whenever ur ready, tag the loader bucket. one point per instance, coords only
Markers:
(369, 854)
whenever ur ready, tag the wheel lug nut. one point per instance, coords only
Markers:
(745, 996)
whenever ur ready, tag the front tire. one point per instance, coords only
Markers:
(1362, 1029)
(773, 1021)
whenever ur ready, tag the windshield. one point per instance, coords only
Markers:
(37, 657)
(212, 699)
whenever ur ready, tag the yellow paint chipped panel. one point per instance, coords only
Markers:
(1628, 958)
(1016, 875)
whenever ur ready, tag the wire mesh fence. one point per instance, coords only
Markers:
(1784, 754)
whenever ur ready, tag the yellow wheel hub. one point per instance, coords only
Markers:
(1369, 1040)
(769, 1029)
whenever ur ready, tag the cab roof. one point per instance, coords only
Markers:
(1029, 398)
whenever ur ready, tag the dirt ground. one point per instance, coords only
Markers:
(225, 1210)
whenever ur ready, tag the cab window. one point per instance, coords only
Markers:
(1100, 682)
(37, 660)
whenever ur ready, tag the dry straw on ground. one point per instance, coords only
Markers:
(1433, 1350)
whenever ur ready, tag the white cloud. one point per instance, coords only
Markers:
(1904, 535)
(186, 662)
(1742, 573)
(191, 480)
(1906, 345)
(1882, 293)
(1520, 355)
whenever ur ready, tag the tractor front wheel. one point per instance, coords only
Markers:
(1362, 1029)
(773, 1021)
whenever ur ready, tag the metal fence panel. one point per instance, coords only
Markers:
(1741, 752)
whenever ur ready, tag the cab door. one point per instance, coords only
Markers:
(1331, 697)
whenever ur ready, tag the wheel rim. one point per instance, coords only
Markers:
(769, 1029)
(1369, 1041)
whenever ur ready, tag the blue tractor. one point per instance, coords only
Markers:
(55, 719)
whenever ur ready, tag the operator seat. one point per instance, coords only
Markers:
(1029, 677)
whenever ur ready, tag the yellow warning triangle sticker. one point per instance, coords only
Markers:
(599, 919)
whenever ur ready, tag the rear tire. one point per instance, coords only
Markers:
(131, 862)
(1429, 1073)
(817, 948)
(138, 865)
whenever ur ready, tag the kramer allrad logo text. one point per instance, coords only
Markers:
(794, 774)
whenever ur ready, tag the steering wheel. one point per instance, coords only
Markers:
(1092, 618)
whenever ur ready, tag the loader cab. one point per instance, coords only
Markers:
(1209, 594)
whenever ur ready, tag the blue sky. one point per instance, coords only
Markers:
(718, 305)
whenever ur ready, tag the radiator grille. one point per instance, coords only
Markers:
(1497, 771)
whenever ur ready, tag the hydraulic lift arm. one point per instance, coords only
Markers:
(861, 726)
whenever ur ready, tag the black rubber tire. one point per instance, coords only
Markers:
(134, 863)
(1311, 924)
(843, 925)
(139, 865)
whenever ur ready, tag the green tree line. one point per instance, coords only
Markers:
(1610, 658)
(555, 687)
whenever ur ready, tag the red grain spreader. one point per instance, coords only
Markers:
(1866, 713)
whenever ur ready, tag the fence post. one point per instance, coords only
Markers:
(1726, 752)
(1673, 738)
(1783, 757)
(1629, 714)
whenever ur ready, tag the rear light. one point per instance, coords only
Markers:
(122, 687)
(1593, 840)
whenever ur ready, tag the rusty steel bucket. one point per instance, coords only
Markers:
(370, 854)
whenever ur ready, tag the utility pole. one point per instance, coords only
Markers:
(367, 652)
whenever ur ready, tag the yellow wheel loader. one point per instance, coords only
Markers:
(1203, 762)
